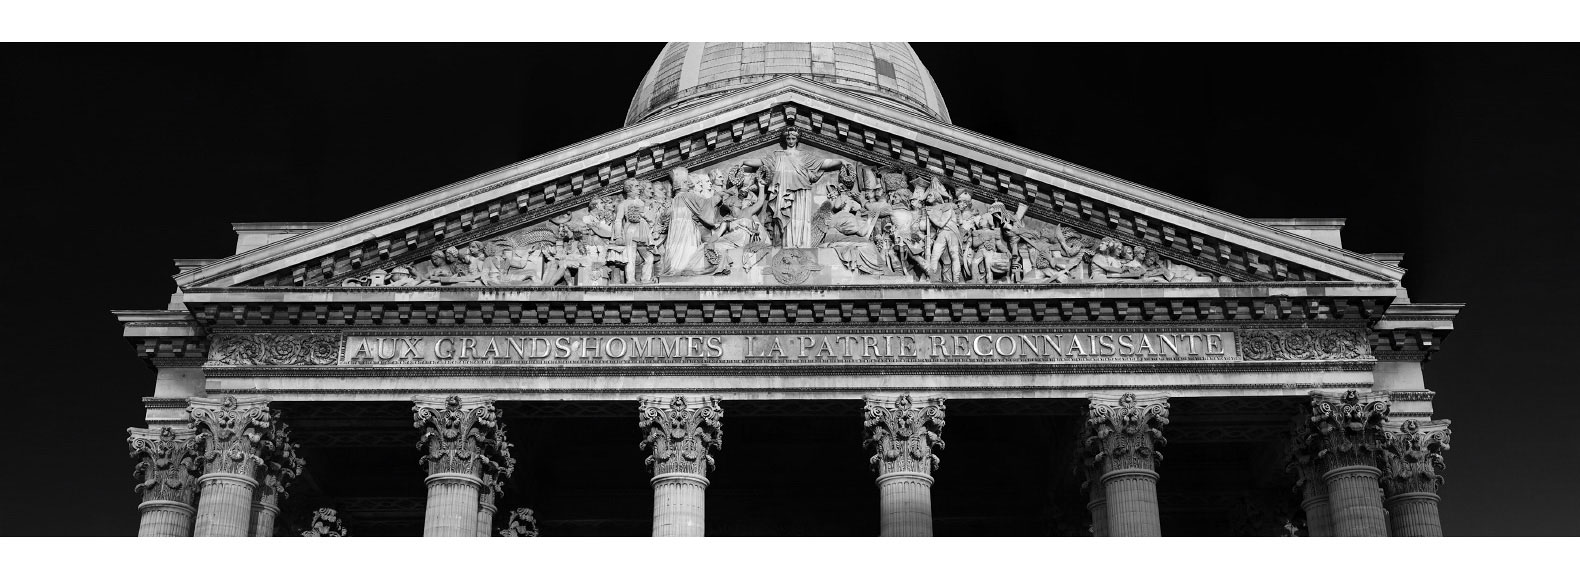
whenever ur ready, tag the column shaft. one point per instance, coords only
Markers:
(263, 514)
(1132, 503)
(905, 504)
(679, 508)
(452, 505)
(1319, 516)
(1356, 500)
(1099, 509)
(1414, 515)
(165, 519)
(485, 519)
(224, 505)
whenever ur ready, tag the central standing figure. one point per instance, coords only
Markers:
(793, 177)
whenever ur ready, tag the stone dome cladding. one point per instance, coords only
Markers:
(686, 71)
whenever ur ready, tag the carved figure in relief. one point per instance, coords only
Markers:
(636, 234)
(850, 235)
(693, 223)
(741, 227)
(1110, 263)
(944, 216)
(794, 183)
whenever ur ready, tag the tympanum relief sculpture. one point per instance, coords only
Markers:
(772, 214)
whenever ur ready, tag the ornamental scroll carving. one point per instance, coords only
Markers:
(895, 224)
(903, 436)
(167, 463)
(326, 524)
(275, 349)
(681, 434)
(523, 524)
(1412, 456)
(458, 433)
(233, 433)
(1347, 429)
(1126, 433)
(1302, 344)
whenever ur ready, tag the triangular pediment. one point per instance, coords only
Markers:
(530, 201)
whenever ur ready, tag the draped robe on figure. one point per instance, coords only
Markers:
(692, 219)
(794, 178)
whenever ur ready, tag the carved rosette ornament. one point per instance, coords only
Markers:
(681, 434)
(234, 433)
(275, 349)
(1303, 344)
(326, 524)
(523, 524)
(1125, 433)
(903, 436)
(1412, 454)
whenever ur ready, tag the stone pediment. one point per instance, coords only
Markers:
(1030, 218)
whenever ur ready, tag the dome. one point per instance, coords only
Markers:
(686, 71)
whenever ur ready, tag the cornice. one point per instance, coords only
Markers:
(611, 147)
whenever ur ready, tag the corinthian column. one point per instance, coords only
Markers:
(681, 433)
(281, 465)
(1122, 435)
(1412, 455)
(1096, 494)
(167, 462)
(233, 432)
(902, 438)
(1302, 460)
(498, 466)
(457, 436)
(1346, 437)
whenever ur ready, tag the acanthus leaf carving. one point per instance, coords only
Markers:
(682, 433)
(903, 436)
(456, 434)
(1347, 428)
(168, 460)
(1126, 432)
(275, 349)
(233, 433)
(523, 524)
(281, 463)
(326, 524)
(1412, 456)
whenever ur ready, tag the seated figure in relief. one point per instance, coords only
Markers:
(1110, 263)
(739, 212)
(850, 235)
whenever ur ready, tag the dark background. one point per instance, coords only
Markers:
(119, 158)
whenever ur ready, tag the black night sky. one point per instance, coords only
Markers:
(119, 158)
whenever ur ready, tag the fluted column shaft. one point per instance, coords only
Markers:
(1414, 515)
(224, 505)
(1099, 508)
(1132, 503)
(264, 512)
(1356, 502)
(905, 501)
(681, 435)
(1319, 514)
(1343, 435)
(485, 514)
(679, 505)
(162, 518)
(1121, 438)
(452, 505)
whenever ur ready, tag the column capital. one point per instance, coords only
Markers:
(903, 435)
(681, 433)
(233, 432)
(1346, 428)
(1412, 456)
(326, 524)
(1300, 458)
(1125, 431)
(168, 462)
(281, 464)
(523, 524)
(458, 433)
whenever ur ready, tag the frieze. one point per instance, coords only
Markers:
(1303, 344)
(275, 349)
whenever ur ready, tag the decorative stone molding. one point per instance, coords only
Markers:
(167, 463)
(902, 436)
(1412, 456)
(1346, 428)
(233, 431)
(326, 524)
(681, 433)
(1125, 432)
(459, 433)
(1303, 344)
(275, 349)
(523, 524)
